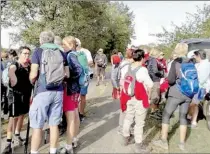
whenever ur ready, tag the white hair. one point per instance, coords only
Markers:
(46, 37)
(78, 42)
(58, 40)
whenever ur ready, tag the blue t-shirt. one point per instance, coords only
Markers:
(36, 59)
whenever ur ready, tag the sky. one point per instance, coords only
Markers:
(150, 16)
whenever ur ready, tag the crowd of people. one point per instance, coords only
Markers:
(144, 80)
(51, 85)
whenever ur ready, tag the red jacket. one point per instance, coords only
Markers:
(140, 94)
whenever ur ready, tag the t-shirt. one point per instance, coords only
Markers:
(88, 54)
(36, 59)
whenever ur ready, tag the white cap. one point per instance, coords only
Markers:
(78, 42)
(191, 54)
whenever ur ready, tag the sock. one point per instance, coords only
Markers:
(34, 152)
(53, 150)
(9, 141)
(17, 132)
(68, 147)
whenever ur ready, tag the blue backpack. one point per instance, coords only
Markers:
(188, 84)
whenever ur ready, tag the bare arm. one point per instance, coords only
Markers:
(34, 73)
(12, 75)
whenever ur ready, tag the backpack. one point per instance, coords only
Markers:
(101, 61)
(52, 68)
(188, 84)
(116, 59)
(5, 75)
(82, 59)
(130, 81)
(119, 70)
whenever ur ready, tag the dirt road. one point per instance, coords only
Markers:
(99, 131)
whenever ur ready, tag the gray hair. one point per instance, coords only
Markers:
(46, 37)
(58, 40)
(201, 53)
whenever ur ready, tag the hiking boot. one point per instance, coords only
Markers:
(125, 140)
(8, 149)
(140, 148)
(162, 144)
(156, 115)
(18, 141)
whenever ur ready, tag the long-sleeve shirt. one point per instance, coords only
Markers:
(75, 72)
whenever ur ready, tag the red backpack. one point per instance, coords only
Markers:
(116, 59)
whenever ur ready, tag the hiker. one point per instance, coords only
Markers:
(100, 65)
(163, 81)
(62, 126)
(178, 96)
(48, 70)
(84, 89)
(203, 69)
(71, 93)
(115, 61)
(156, 74)
(136, 86)
(121, 56)
(121, 76)
(18, 97)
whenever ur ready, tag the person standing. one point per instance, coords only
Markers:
(101, 64)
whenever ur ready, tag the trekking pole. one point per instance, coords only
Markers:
(28, 126)
(13, 121)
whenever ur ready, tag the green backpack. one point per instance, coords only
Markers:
(81, 56)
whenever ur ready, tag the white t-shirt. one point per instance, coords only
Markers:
(88, 54)
(142, 75)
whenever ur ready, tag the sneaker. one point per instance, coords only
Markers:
(162, 144)
(81, 117)
(97, 84)
(140, 148)
(8, 149)
(63, 150)
(18, 140)
(132, 139)
(182, 146)
(75, 143)
(125, 140)
(192, 126)
(156, 115)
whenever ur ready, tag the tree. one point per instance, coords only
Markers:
(197, 25)
(105, 25)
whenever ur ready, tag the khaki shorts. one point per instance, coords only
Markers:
(100, 71)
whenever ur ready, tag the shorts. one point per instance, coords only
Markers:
(84, 90)
(100, 71)
(20, 105)
(70, 103)
(195, 99)
(46, 106)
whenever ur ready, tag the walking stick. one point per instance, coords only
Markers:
(28, 126)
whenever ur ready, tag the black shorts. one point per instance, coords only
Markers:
(20, 106)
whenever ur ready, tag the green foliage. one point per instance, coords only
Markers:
(197, 25)
(105, 25)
